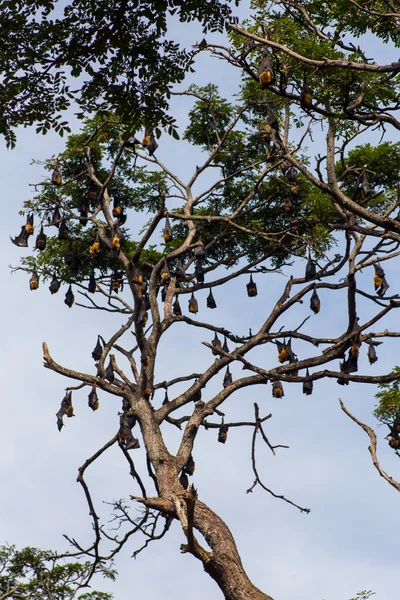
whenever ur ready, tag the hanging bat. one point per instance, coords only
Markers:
(66, 408)
(167, 234)
(131, 142)
(117, 208)
(285, 352)
(200, 251)
(311, 269)
(149, 142)
(199, 272)
(308, 385)
(306, 97)
(184, 480)
(116, 244)
(40, 243)
(54, 285)
(176, 308)
(95, 247)
(92, 283)
(190, 466)
(166, 399)
(63, 231)
(277, 389)
(180, 271)
(72, 260)
(83, 212)
(69, 297)
(56, 218)
(372, 357)
(292, 179)
(225, 346)
(93, 401)
(21, 240)
(165, 274)
(98, 350)
(125, 436)
(109, 372)
(380, 283)
(251, 288)
(34, 281)
(222, 433)
(193, 305)
(216, 345)
(29, 228)
(366, 189)
(56, 178)
(196, 397)
(211, 301)
(394, 443)
(227, 378)
(315, 303)
(265, 72)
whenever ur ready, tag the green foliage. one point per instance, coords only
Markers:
(37, 575)
(119, 49)
(388, 408)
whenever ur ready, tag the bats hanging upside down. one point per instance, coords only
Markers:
(66, 408)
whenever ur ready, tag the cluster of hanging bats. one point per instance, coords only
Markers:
(269, 131)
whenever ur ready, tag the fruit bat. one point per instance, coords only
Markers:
(66, 408)
(211, 301)
(95, 247)
(56, 177)
(21, 240)
(63, 231)
(380, 283)
(272, 124)
(165, 274)
(92, 283)
(149, 142)
(29, 228)
(34, 281)
(184, 480)
(166, 399)
(117, 281)
(197, 395)
(277, 389)
(216, 345)
(92, 193)
(222, 433)
(176, 308)
(366, 189)
(93, 401)
(109, 372)
(131, 142)
(125, 436)
(84, 212)
(306, 97)
(54, 285)
(265, 72)
(199, 272)
(394, 443)
(225, 346)
(285, 352)
(190, 466)
(55, 220)
(41, 238)
(200, 252)
(227, 378)
(307, 385)
(98, 349)
(315, 303)
(167, 235)
(311, 269)
(293, 181)
(372, 357)
(69, 297)
(116, 243)
(193, 306)
(251, 288)
(117, 210)
(72, 260)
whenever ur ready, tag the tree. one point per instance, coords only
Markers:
(33, 573)
(266, 206)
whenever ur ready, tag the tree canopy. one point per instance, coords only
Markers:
(124, 233)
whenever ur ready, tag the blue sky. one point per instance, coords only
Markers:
(344, 545)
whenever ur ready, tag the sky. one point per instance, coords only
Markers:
(344, 545)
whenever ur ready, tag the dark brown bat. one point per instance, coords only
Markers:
(277, 389)
(180, 271)
(265, 72)
(225, 346)
(227, 378)
(311, 269)
(109, 372)
(34, 281)
(190, 466)
(308, 385)
(211, 301)
(98, 350)
(216, 345)
(306, 97)
(184, 480)
(56, 178)
(199, 272)
(193, 305)
(167, 234)
(21, 240)
(93, 400)
(372, 357)
(315, 303)
(200, 251)
(222, 433)
(149, 142)
(63, 231)
(66, 408)
(84, 212)
(92, 283)
(54, 285)
(166, 399)
(251, 288)
(69, 297)
(176, 308)
(41, 238)
(55, 220)
(285, 352)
